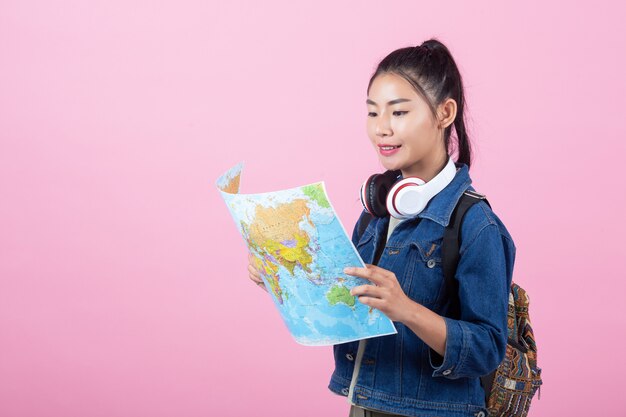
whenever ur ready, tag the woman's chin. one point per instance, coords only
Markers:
(389, 165)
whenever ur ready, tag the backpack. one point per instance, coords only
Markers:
(510, 388)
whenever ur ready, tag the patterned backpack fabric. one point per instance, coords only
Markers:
(518, 377)
(510, 388)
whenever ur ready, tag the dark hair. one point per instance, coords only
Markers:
(432, 72)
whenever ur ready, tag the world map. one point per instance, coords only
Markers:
(300, 248)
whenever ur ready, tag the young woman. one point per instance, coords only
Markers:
(445, 342)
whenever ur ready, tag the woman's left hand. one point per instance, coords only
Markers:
(386, 295)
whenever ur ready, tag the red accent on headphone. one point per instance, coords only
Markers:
(393, 197)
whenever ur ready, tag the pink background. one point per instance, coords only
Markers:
(123, 282)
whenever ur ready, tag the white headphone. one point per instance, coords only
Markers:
(404, 198)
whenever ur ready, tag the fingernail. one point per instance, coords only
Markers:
(347, 270)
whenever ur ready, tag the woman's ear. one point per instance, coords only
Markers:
(447, 113)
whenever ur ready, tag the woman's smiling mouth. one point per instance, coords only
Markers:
(388, 150)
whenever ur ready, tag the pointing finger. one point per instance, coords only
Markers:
(369, 273)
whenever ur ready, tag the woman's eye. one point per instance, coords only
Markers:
(395, 113)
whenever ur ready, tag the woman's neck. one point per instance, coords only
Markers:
(427, 170)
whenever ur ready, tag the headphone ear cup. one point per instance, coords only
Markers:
(374, 193)
(364, 195)
(406, 198)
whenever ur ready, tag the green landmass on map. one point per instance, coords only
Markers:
(340, 294)
(316, 192)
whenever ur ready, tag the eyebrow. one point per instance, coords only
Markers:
(389, 103)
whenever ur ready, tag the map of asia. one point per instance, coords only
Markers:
(301, 248)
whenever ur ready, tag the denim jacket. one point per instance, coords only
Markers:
(399, 373)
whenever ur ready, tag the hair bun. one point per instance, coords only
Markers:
(428, 49)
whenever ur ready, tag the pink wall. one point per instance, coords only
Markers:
(123, 283)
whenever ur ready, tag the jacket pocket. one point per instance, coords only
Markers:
(423, 280)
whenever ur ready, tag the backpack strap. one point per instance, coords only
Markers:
(452, 236)
(450, 255)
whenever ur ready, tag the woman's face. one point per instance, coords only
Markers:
(402, 130)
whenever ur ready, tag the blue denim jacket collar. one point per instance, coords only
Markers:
(440, 207)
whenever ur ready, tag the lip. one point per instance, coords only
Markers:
(389, 152)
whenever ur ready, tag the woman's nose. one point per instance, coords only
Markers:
(383, 127)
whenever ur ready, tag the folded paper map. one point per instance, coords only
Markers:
(301, 248)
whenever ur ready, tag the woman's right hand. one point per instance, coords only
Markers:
(254, 274)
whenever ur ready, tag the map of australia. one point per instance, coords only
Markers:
(301, 248)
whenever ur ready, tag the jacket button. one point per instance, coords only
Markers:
(431, 263)
(345, 391)
(350, 357)
(448, 372)
(480, 414)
